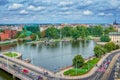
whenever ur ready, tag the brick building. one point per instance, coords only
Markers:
(7, 34)
(4, 36)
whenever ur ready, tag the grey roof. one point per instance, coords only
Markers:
(114, 33)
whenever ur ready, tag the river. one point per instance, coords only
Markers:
(54, 57)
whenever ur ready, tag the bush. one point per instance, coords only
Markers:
(105, 38)
(117, 46)
(84, 69)
(99, 51)
(78, 61)
(110, 46)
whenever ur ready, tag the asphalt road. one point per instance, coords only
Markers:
(98, 74)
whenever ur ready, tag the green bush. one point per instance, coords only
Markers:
(110, 46)
(105, 38)
(99, 51)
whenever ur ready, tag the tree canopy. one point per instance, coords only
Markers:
(99, 51)
(105, 38)
(78, 61)
(52, 32)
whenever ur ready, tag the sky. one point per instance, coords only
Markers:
(59, 11)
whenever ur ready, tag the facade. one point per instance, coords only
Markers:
(7, 34)
(4, 36)
(115, 36)
(11, 33)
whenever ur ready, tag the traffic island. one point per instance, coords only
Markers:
(13, 55)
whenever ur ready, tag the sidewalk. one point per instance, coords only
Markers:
(91, 72)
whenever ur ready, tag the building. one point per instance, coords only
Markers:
(11, 33)
(115, 36)
(4, 36)
(116, 25)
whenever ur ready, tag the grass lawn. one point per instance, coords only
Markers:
(84, 69)
(10, 54)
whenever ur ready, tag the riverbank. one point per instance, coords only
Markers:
(8, 42)
(92, 71)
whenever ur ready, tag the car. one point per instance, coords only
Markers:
(14, 65)
(19, 68)
(105, 66)
(32, 74)
(40, 78)
(25, 71)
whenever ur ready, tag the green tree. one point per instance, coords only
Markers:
(32, 28)
(66, 31)
(109, 29)
(78, 61)
(52, 32)
(105, 38)
(83, 31)
(110, 46)
(117, 46)
(75, 33)
(99, 51)
(33, 36)
(1, 30)
(39, 34)
(22, 35)
(98, 31)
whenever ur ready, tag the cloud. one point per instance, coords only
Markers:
(63, 3)
(64, 13)
(33, 8)
(23, 12)
(101, 14)
(14, 6)
(110, 14)
(87, 12)
(70, 9)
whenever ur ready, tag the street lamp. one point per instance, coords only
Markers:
(7, 63)
(76, 67)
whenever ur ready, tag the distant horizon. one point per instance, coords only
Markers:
(65, 22)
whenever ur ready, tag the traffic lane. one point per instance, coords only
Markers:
(11, 65)
(9, 70)
(97, 72)
(113, 70)
(100, 76)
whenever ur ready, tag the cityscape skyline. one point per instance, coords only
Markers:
(59, 11)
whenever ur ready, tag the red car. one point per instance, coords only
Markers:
(25, 71)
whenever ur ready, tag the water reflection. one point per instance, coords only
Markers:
(6, 47)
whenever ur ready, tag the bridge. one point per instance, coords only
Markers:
(24, 70)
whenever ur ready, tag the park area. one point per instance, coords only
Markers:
(84, 69)
(11, 54)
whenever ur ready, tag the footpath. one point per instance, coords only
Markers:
(91, 72)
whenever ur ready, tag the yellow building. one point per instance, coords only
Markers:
(115, 36)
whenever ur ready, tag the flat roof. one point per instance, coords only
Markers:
(114, 33)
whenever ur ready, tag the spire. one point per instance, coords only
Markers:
(115, 22)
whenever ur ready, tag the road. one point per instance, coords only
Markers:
(101, 69)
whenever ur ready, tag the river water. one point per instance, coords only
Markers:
(53, 57)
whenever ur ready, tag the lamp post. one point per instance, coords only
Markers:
(76, 67)
(7, 63)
